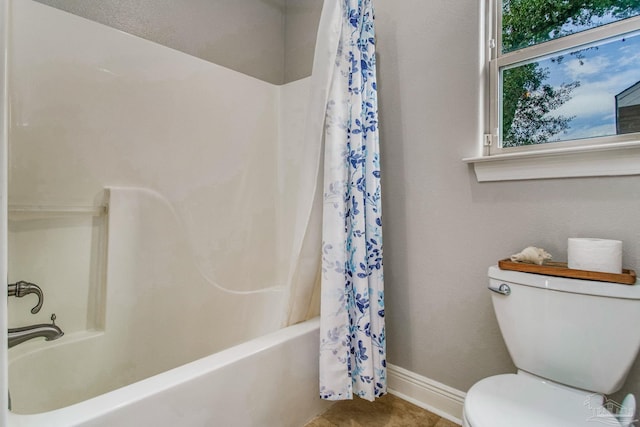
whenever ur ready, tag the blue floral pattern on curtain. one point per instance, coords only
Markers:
(352, 347)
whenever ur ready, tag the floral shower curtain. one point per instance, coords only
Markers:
(352, 347)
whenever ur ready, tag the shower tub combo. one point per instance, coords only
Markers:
(168, 184)
(214, 363)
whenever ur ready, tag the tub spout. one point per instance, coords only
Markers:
(47, 331)
(22, 288)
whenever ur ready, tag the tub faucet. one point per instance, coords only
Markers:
(22, 288)
(47, 331)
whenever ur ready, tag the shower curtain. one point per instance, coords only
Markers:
(352, 348)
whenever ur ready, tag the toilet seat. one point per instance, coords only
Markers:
(526, 401)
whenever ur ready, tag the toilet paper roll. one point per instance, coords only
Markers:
(595, 255)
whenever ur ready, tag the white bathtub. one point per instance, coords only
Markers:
(269, 381)
(174, 348)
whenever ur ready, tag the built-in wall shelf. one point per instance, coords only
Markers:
(57, 210)
(63, 249)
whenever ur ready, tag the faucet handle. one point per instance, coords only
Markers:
(22, 288)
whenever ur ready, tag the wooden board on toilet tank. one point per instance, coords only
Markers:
(549, 268)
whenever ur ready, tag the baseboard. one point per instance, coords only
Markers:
(426, 393)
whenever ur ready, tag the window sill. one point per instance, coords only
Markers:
(614, 159)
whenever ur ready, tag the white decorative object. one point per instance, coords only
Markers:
(595, 255)
(532, 255)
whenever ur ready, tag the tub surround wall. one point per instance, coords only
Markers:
(108, 108)
(112, 109)
(294, 98)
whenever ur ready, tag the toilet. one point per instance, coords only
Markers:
(573, 341)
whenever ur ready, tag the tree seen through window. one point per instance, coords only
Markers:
(574, 94)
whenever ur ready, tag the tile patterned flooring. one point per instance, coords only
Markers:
(388, 411)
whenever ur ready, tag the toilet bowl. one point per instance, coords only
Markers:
(570, 342)
(534, 402)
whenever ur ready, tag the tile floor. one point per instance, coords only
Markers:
(388, 411)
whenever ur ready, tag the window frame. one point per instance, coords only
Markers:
(597, 157)
(496, 60)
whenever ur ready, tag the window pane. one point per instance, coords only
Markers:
(590, 92)
(529, 22)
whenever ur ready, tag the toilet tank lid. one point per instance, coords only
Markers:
(565, 284)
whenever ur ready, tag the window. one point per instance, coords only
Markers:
(563, 73)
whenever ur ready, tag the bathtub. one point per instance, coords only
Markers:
(268, 381)
(173, 348)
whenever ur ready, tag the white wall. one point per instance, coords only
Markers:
(244, 35)
(301, 25)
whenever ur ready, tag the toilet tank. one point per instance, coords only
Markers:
(581, 333)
